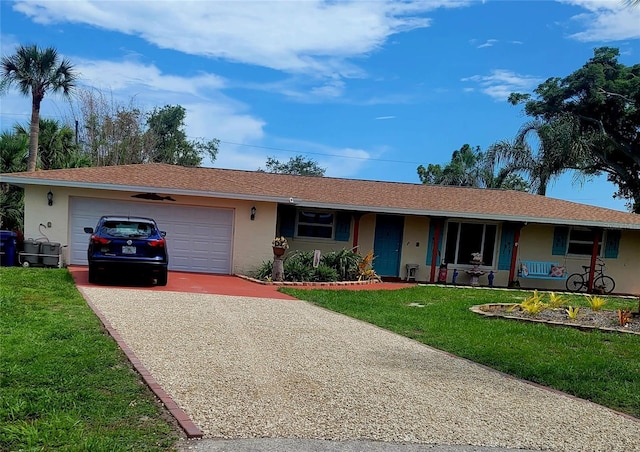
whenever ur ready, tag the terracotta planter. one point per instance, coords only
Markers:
(278, 250)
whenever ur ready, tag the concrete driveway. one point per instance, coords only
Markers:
(244, 367)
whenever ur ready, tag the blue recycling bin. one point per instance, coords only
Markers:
(7, 248)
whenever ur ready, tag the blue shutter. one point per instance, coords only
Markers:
(612, 244)
(432, 238)
(560, 240)
(506, 246)
(287, 219)
(343, 226)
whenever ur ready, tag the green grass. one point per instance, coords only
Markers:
(64, 383)
(601, 367)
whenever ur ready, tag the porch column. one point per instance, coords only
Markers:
(594, 255)
(514, 253)
(434, 250)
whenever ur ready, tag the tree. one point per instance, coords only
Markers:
(463, 170)
(469, 167)
(37, 71)
(57, 148)
(111, 132)
(559, 149)
(115, 133)
(603, 99)
(298, 165)
(169, 143)
(14, 150)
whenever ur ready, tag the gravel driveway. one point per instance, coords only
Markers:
(253, 367)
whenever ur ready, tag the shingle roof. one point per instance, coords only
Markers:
(360, 195)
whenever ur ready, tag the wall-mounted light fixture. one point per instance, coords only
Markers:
(50, 198)
(253, 213)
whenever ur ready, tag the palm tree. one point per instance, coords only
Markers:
(37, 71)
(560, 148)
(57, 148)
(13, 158)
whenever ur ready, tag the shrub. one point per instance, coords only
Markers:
(595, 303)
(325, 274)
(624, 316)
(264, 271)
(573, 312)
(298, 268)
(344, 262)
(534, 304)
(556, 301)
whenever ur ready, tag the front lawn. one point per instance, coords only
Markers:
(64, 383)
(601, 367)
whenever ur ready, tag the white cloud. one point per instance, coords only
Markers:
(500, 83)
(488, 43)
(382, 118)
(292, 36)
(606, 20)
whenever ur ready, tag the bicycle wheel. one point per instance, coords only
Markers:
(575, 283)
(604, 283)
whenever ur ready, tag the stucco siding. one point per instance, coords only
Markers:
(414, 246)
(251, 239)
(536, 244)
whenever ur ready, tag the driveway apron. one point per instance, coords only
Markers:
(253, 367)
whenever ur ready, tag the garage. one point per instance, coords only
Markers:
(199, 238)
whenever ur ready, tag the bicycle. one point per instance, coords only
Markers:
(602, 283)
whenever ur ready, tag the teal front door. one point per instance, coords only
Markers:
(387, 245)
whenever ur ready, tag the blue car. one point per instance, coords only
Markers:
(127, 246)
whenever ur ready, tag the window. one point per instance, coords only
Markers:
(466, 238)
(316, 224)
(581, 242)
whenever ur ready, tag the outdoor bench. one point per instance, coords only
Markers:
(542, 270)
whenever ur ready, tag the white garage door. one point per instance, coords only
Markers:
(199, 238)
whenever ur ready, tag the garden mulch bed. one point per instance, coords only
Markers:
(604, 319)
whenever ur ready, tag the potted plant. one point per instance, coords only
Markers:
(280, 245)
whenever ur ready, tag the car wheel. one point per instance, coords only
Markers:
(162, 278)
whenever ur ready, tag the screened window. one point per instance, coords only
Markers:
(581, 242)
(316, 224)
(463, 239)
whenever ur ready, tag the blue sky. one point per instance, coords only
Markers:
(368, 89)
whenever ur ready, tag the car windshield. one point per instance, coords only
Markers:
(127, 229)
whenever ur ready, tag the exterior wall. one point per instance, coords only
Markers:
(251, 239)
(536, 242)
(414, 247)
(367, 233)
(626, 268)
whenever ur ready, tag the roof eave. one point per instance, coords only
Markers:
(469, 215)
(22, 181)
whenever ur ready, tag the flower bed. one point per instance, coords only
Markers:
(603, 319)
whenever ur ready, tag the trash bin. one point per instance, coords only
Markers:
(50, 254)
(30, 253)
(7, 248)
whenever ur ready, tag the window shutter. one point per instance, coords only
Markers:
(612, 244)
(506, 246)
(287, 219)
(432, 238)
(343, 226)
(560, 240)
